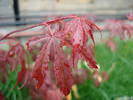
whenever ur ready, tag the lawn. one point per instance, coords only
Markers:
(118, 87)
(120, 83)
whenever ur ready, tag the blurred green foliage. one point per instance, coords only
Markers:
(120, 83)
(11, 92)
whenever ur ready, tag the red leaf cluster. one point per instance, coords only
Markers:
(7, 62)
(100, 77)
(111, 44)
(1, 97)
(14, 56)
(130, 16)
(119, 28)
(70, 31)
(48, 91)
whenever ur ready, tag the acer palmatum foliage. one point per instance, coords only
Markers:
(11, 58)
(130, 16)
(1, 96)
(80, 75)
(48, 91)
(100, 77)
(16, 56)
(117, 28)
(70, 31)
(112, 44)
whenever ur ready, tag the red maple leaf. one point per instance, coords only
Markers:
(18, 52)
(51, 51)
(70, 31)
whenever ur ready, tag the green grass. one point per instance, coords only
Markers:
(120, 83)
(11, 92)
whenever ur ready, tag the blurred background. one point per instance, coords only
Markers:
(16, 14)
(25, 12)
(33, 11)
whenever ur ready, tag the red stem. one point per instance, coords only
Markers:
(36, 25)
(23, 29)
